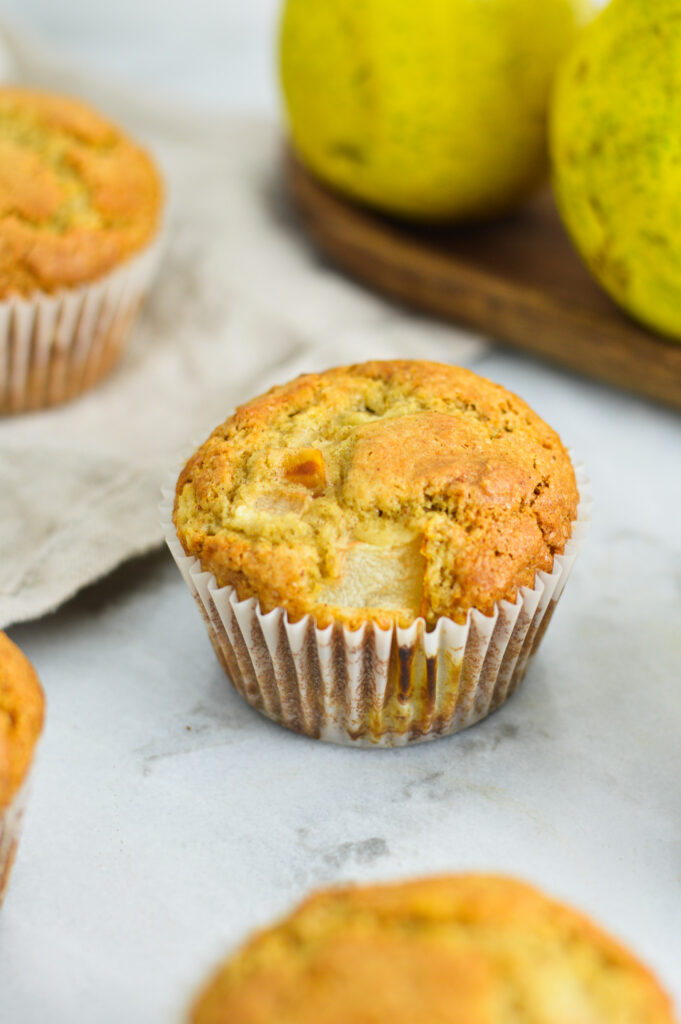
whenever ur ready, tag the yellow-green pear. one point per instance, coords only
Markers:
(616, 151)
(434, 110)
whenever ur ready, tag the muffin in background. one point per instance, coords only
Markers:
(376, 549)
(80, 214)
(22, 708)
(463, 949)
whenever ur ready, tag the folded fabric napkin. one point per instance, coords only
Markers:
(241, 302)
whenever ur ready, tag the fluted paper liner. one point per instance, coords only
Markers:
(54, 347)
(374, 686)
(11, 821)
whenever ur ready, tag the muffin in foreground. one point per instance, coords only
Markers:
(467, 949)
(376, 547)
(80, 209)
(21, 721)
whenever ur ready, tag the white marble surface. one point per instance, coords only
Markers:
(168, 818)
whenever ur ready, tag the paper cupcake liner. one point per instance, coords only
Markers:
(373, 686)
(11, 821)
(54, 347)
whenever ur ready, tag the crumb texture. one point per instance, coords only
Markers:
(21, 717)
(76, 196)
(468, 949)
(382, 492)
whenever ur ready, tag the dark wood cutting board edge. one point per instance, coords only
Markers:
(517, 280)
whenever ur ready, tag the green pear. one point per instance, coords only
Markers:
(432, 110)
(616, 152)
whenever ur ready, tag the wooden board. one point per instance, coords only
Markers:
(517, 280)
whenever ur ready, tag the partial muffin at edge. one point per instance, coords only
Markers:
(22, 707)
(381, 491)
(77, 196)
(466, 949)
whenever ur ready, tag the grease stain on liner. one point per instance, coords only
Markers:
(377, 687)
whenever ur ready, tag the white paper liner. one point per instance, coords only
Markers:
(54, 347)
(372, 686)
(11, 821)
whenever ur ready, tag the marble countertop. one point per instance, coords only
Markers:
(168, 818)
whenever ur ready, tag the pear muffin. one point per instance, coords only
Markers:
(76, 196)
(467, 949)
(386, 491)
(378, 497)
(21, 721)
(79, 202)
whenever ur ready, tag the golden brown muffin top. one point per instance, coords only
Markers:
(76, 196)
(22, 708)
(382, 491)
(466, 949)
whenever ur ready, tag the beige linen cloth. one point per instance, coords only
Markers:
(241, 302)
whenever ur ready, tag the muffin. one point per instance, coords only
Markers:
(467, 949)
(377, 547)
(21, 721)
(80, 210)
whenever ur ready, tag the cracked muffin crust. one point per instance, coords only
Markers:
(467, 949)
(383, 491)
(21, 718)
(76, 196)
